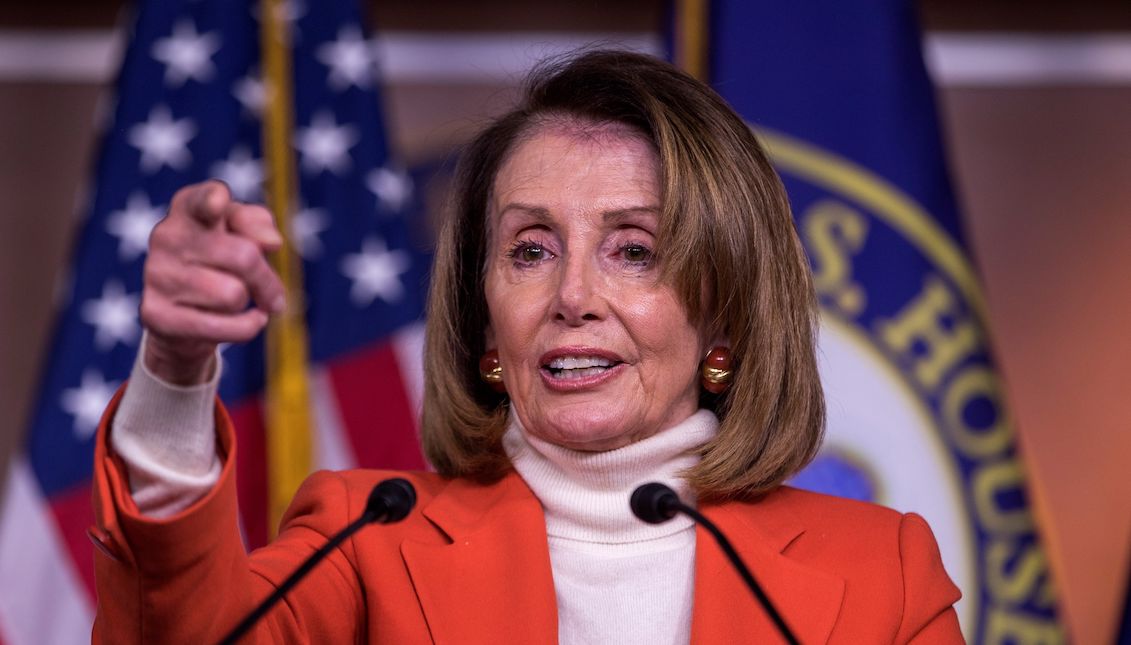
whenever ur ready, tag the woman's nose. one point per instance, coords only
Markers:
(579, 299)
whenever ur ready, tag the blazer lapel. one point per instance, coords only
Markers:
(726, 612)
(492, 583)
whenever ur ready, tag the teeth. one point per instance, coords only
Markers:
(579, 362)
(569, 374)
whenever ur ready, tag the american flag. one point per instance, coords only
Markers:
(189, 101)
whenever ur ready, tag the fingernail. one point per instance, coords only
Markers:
(279, 305)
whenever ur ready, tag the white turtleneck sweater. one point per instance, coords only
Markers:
(617, 579)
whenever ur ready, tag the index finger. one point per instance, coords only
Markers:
(254, 222)
(204, 202)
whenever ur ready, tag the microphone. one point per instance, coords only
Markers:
(390, 501)
(655, 503)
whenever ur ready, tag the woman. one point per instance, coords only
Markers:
(616, 228)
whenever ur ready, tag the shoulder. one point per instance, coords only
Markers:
(430, 487)
(863, 527)
(836, 527)
(888, 560)
(820, 512)
(851, 539)
(440, 502)
(357, 484)
(348, 490)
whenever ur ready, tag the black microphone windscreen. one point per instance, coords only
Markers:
(654, 503)
(391, 500)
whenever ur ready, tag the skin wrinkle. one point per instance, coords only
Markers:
(730, 254)
(570, 126)
(582, 199)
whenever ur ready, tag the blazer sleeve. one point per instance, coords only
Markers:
(188, 579)
(928, 593)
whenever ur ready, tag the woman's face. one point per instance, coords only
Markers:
(596, 352)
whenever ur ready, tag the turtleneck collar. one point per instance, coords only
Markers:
(585, 494)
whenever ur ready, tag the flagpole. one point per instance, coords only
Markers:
(691, 34)
(287, 413)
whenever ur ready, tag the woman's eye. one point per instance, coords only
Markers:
(532, 253)
(636, 254)
(528, 252)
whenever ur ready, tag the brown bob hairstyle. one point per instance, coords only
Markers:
(725, 226)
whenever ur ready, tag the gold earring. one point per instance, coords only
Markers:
(716, 370)
(491, 371)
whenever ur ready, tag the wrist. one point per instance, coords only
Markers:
(183, 366)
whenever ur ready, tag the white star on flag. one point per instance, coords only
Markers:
(163, 141)
(305, 226)
(186, 54)
(251, 91)
(242, 174)
(86, 402)
(392, 187)
(350, 58)
(375, 272)
(133, 225)
(114, 316)
(325, 145)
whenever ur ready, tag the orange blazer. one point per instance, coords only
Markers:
(471, 565)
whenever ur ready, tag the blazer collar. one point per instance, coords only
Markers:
(726, 611)
(498, 558)
(492, 583)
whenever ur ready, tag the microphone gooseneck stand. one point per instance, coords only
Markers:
(655, 503)
(390, 501)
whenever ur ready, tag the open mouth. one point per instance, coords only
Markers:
(578, 367)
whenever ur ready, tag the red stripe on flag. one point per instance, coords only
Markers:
(251, 469)
(375, 409)
(74, 515)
